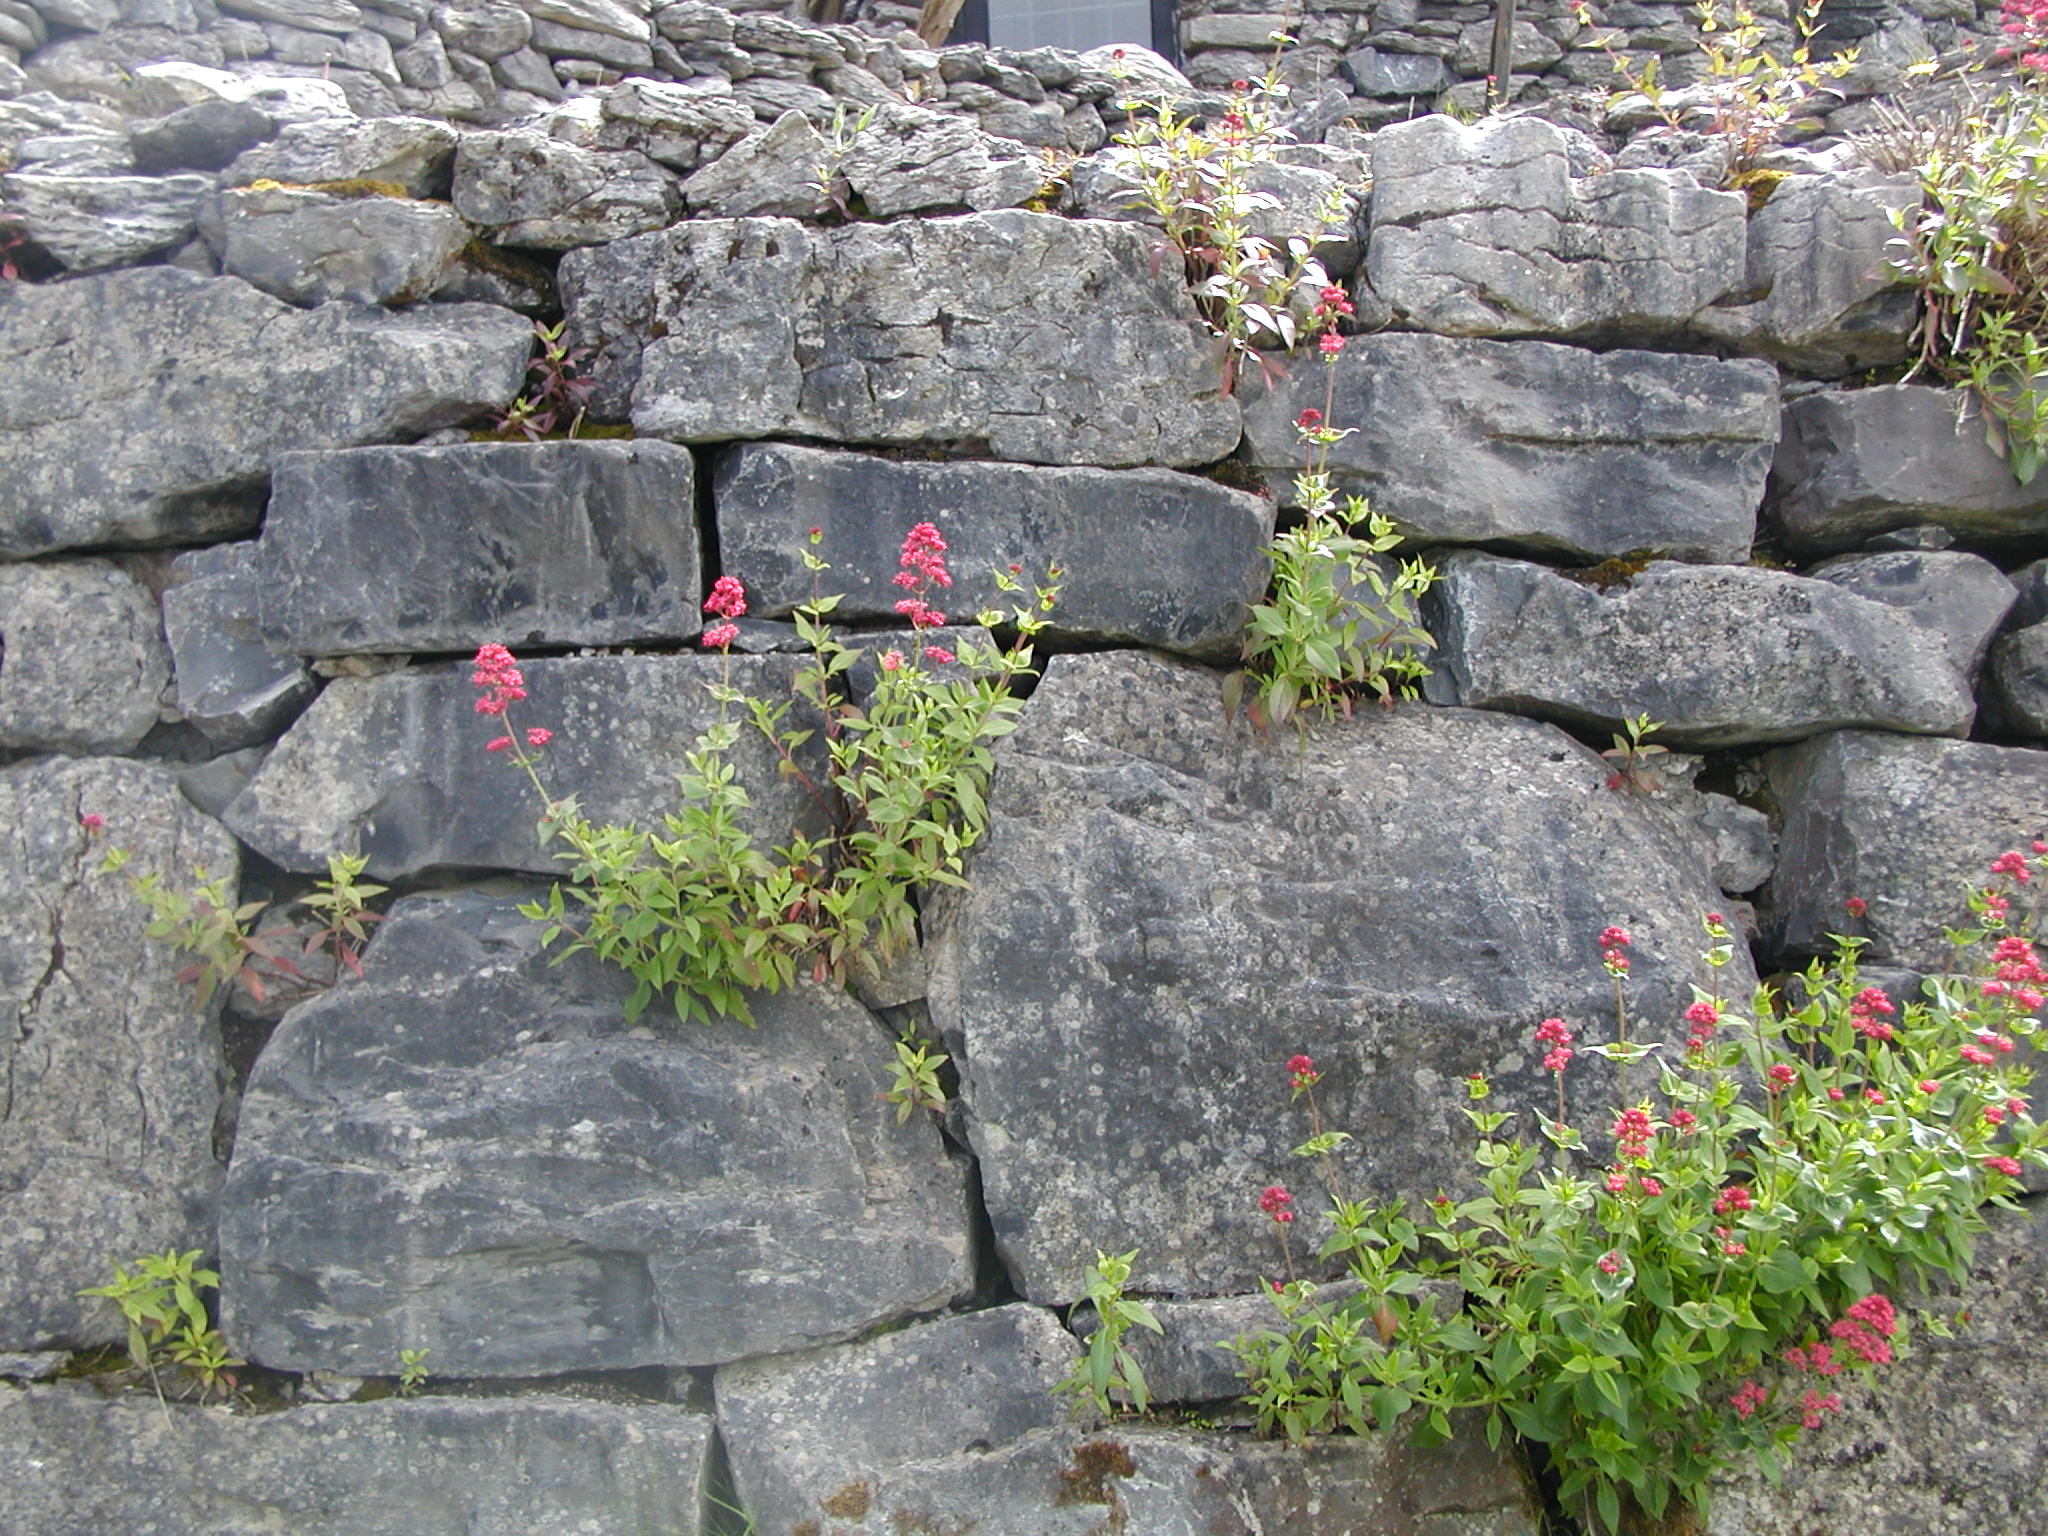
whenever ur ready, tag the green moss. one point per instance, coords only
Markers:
(1616, 570)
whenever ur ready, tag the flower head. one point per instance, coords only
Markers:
(539, 736)
(1308, 420)
(1610, 1263)
(891, 661)
(2008, 1166)
(719, 636)
(2012, 863)
(498, 744)
(1780, 1077)
(1302, 1073)
(1329, 343)
(1275, 1202)
(1856, 906)
(93, 823)
(1633, 1129)
(728, 598)
(937, 655)
(1747, 1399)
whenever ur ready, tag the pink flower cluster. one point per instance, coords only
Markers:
(1620, 1183)
(2013, 863)
(1817, 1358)
(728, 601)
(2026, 20)
(1613, 950)
(1701, 1019)
(923, 567)
(1552, 1032)
(1275, 1202)
(1633, 1129)
(1302, 1073)
(1864, 1011)
(504, 684)
(1815, 1403)
(1747, 1399)
(1735, 1197)
(1864, 1329)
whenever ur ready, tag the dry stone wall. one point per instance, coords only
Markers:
(281, 262)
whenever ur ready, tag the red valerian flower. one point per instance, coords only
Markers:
(1329, 343)
(1780, 1077)
(1747, 1399)
(1610, 1264)
(2005, 1165)
(1856, 906)
(719, 636)
(937, 655)
(539, 736)
(1308, 420)
(92, 822)
(498, 744)
(2012, 863)
(1302, 1073)
(728, 598)
(1274, 1201)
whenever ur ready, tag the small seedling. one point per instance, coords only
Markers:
(914, 1079)
(1632, 754)
(412, 1371)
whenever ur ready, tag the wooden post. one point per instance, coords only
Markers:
(1499, 89)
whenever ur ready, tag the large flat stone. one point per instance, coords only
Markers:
(1484, 231)
(1721, 655)
(92, 222)
(1541, 448)
(471, 1151)
(443, 549)
(1150, 557)
(233, 685)
(525, 188)
(1908, 825)
(394, 766)
(159, 399)
(73, 1463)
(110, 1074)
(1859, 462)
(1165, 909)
(415, 153)
(307, 247)
(85, 665)
(1962, 598)
(959, 332)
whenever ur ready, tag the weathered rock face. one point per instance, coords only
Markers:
(681, 124)
(112, 1072)
(1721, 655)
(92, 222)
(910, 158)
(233, 685)
(1859, 462)
(805, 1428)
(942, 332)
(416, 153)
(85, 664)
(1906, 825)
(1149, 556)
(1542, 448)
(394, 767)
(1928, 1444)
(1484, 231)
(443, 549)
(2018, 681)
(1062, 1482)
(527, 189)
(1165, 910)
(75, 1464)
(1962, 598)
(203, 137)
(471, 1151)
(165, 396)
(307, 247)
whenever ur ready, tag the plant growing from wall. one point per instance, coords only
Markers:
(1676, 1292)
(699, 913)
(557, 391)
(160, 1300)
(1109, 1374)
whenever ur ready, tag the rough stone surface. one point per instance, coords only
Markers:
(958, 331)
(1064, 1482)
(910, 159)
(527, 189)
(394, 767)
(1906, 824)
(163, 397)
(680, 124)
(73, 1463)
(1149, 556)
(233, 685)
(203, 137)
(1722, 655)
(2017, 693)
(110, 1074)
(415, 153)
(84, 664)
(772, 172)
(92, 222)
(1932, 1444)
(443, 549)
(308, 247)
(1859, 462)
(1165, 909)
(802, 1428)
(1541, 448)
(1962, 598)
(1827, 301)
(1483, 230)
(471, 1151)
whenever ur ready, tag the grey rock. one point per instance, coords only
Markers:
(85, 661)
(910, 159)
(394, 766)
(1190, 1359)
(37, 1366)
(470, 1150)
(163, 396)
(485, 275)
(1722, 656)
(1165, 909)
(1962, 598)
(81, 15)
(311, 15)
(2017, 682)
(1537, 447)
(1305, 200)
(2031, 606)
(525, 70)
(769, 98)
(112, 1073)
(772, 173)
(92, 222)
(363, 50)
(1149, 557)
(1926, 1445)
(486, 30)
(423, 63)
(213, 784)
(805, 1428)
(1396, 74)
(1859, 462)
(442, 549)
(530, 190)
(606, 16)
(567, 43)
(824, 333)
(1908, 824)
(75, 154)
(1062, 1482)
(1144, 73)
(1485, 231)
(1534, 49)
(415, 153)
(308, 247)
(681, 126)
(694, 21)
(1233, 31)
(233, 685)
(75, 1463)
(202, 137)
(1830, 303)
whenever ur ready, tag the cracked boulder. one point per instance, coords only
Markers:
(443, 549)
(1907, 824)
(234, 686)
(1166, 908)
(92, 222)
(1484, 231)
(75, 1463)
(1722, 656)
(957, 332)
(161, 398)
(394, 766)
(82, 659)
(472, 1151)
(1962, 598)
(112, 1072)
(307, 246)
(1539, 448)
(414, 153)
(1148, 556)
(526, 189)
